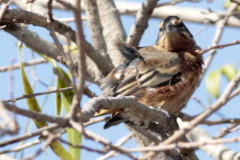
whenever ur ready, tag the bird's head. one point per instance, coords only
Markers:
(174, 35)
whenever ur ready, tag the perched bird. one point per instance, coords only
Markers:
(164, 74)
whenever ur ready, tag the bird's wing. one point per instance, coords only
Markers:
(156, 69)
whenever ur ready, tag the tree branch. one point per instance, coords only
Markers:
(142, 17)
(112, 29)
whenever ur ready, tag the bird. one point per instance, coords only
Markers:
(164, 74)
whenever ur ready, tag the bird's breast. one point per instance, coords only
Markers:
(173, 97)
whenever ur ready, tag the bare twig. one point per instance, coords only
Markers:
(217, 151)
(95, 120)
(28, 135)
(212, 122)
(82, 147)
(35, 115)
(50, 138)
(220, 46)
(227, 130)
(218, 34)
(185, 145)
(81, 72)
(21, 147)
(236, 1)
(3, 9)
(50, 14)
(17, 66)
(86, 91)
(120, 142)
(142, 17)
(101, 140)
(39, 94)
(8, 125)
(174, 2)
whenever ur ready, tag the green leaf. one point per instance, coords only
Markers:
(74, 136)
(33, 105)
(65, 99)
(228, 3)
(213, 83)
(229, 71)
(58, 99)
(60, 151)
(66, 96)
(32, 102)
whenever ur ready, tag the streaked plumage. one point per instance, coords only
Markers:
(165, 74)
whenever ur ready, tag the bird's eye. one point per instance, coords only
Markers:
(181, 25)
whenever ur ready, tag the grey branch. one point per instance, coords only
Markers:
(128, 103)
(187, 14)
(30, 38)
(17, 66)
(131, 8)
(141, 24)
(8, 125)
(218, 151)
(112, 29)
(96, 32)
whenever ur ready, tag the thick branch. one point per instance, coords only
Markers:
(112, 29)
(96, 29)
(131, 8)
(217, 151)
(30, 38)
(129, 103)
(186, 14)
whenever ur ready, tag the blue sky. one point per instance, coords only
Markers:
(44, 72)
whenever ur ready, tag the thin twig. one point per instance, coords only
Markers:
(97, 138)
(4, 8)
(87, 92)
(141, 24)
(39, 94)
(212, 122)
(28, 135)
(185, 145)
(95, 120)
(219, 46)
(82, 147)
(227, 130)
(50, 138)
(218, 34)
(174, 2)
(21, 147)
(17, 66)
(120, 142)
(36, 115)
